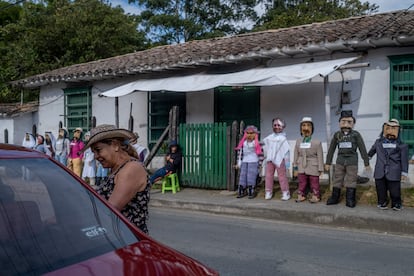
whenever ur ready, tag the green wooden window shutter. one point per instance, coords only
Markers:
(160, 104)
(78, 108)
(402, 96)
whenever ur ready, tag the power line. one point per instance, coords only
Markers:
(12, 4)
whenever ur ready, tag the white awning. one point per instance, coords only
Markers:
(270, 76)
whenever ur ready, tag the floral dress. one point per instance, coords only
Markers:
(137, 209)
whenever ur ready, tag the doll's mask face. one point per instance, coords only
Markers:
(27, 137)
(306, 129)
(76, 134)
(346, 124)
(250, 135)
(278, 126)
(61, 133)
(391, 132)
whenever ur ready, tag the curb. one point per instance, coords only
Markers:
(360, 218)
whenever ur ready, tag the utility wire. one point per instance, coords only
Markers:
(12, 4)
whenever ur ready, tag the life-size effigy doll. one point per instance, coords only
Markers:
(250, 157)
(29, 141)
(50, 144)
(308, 161)
(62, 146)
(391, 166)
(75, 156)
(276, 149)
(347, 141)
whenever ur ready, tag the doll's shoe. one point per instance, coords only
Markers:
(285, 196)
(397, 207)
(314, 199)
(383, 206)
(300, 198)
(268, 195)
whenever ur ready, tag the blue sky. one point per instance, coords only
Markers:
(128, 8)
(384, 5)
(392, 5)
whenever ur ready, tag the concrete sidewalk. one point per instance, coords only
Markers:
(224, 202)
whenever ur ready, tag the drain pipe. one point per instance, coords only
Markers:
(117, 112)
(328, 120)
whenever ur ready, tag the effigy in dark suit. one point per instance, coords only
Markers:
(391, 165)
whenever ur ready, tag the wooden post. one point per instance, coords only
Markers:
(328, 122)
(232, 175)
(173, 120)
(171, 130)
(156, 147)
(116, 111)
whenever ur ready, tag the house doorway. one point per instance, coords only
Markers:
(237, 104)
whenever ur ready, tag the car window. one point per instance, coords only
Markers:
(48, 220)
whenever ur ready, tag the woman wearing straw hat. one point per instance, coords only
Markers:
(126, 188)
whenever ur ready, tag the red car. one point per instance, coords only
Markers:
(53, 223)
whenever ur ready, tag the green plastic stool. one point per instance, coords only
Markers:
(170, 183)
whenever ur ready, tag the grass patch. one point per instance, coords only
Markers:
(366, 194)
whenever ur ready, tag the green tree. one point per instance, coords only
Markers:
(51, 34)
(169, 22)
(288, 13)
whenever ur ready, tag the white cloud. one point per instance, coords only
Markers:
(128, 8)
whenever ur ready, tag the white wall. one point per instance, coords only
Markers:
(17, 127)
(22, 124)
(7, 123)
(103, 108)
(369, 88)
(51, 109)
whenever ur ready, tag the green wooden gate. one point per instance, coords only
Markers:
(204, 155)
(402, 96)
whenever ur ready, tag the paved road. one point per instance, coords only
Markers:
(244, 246)
(223, 202)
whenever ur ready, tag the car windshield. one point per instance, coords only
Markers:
(48, 220)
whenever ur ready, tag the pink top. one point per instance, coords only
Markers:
(75, 147)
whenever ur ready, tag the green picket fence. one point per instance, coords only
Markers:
(204, 155)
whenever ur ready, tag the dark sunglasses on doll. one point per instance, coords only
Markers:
(250, 133)
(277, 125)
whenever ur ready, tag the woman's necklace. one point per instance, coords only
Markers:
(117, 168)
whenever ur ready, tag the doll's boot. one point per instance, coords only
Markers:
(334, 199)
(351, 197)
(241, 192)
(252, 192)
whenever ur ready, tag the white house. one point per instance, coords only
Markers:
(365, 64)
(16, 120)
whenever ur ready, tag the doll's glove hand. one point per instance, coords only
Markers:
(327, 167)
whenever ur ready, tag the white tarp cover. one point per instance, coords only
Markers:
(253, 77)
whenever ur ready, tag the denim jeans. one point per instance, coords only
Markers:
(158, 173)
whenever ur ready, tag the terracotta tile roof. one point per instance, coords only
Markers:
(346, 35)
(16, 109)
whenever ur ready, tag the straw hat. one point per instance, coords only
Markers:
(393, 122)
(102, 132)
(78, 129)
(306, 119)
